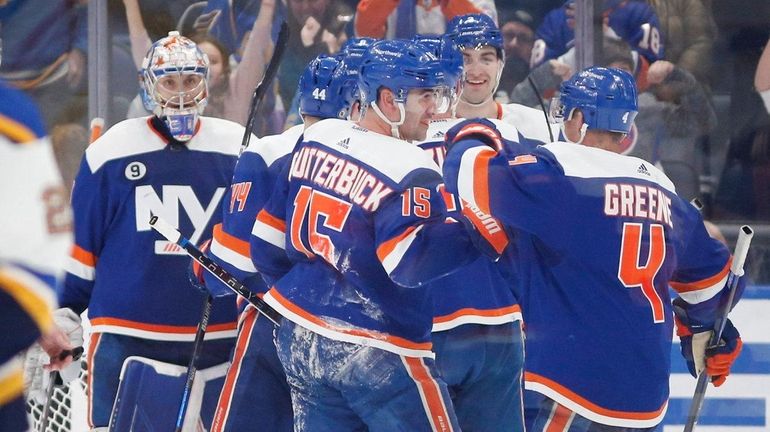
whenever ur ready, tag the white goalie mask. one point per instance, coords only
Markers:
(175, 83)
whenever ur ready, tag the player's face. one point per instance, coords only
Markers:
(420, 108)
(180, 90)
(482, 70)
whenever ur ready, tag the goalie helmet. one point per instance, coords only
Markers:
(175, 83)
(605, 96)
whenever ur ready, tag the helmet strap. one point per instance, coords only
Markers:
(393, 125)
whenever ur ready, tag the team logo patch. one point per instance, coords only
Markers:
(523, 159)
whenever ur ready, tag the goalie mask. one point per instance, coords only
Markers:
(174, 83)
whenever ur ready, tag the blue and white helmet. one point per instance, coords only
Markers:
(321, 88)
(451, 59)
(400, 66)
(476, 31)
(176, 56)
(352, 54)
(605, 96)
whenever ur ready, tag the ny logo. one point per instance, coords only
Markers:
(148, 203)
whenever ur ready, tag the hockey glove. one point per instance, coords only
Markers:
(67, 334)
(479, 129)
(196, 273)
(718, 360)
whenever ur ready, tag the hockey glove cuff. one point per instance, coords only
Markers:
(720, 359)
(478, 129)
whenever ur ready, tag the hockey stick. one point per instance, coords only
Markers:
(200, 332)
(542, 106)
(267, 79)
(736, 271)
(53, 377)
(173, 235)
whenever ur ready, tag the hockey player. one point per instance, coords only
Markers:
(481, 42)
(477, 335)
(36, 231)
(255, 393)
(175, 164)
(601, 236)
(360, 220)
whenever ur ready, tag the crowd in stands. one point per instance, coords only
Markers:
(694, 61)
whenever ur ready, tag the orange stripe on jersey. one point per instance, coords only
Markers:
(93, 345)
(683, 287)
(12, 385)
(231, 242)
(395, 340)
(560, 420)
(478, 312)
(481, 179)
(387, 247)
(83, 256)
(590, 406)
(429, 392)
(160, 328)
(226, 395)
(16, 131)
(268, 219)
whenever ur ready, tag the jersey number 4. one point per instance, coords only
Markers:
(635, 275)
(314, 204)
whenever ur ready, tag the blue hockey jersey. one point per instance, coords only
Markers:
(634, 22)
(35, 231)
(133, 281)
(255, 175)
(359, 216)
(599, 237)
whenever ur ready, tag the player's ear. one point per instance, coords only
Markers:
(387, 99)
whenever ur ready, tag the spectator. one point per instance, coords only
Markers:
(315, 27)
(518, 32)
(688, 32)
(44, 54)
(230, 90)
(403, 19)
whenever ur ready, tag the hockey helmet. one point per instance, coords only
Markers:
(451, 59)
(174, 78)
(476, 31)
(605, 96)
(321, 87)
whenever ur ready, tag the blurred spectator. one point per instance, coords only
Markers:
(316, 27)
(403, 19)
(762, 77)
(69, 142)
(688, 31)
(230, 91)
(44, 45)
(631, 21)
(518, 29)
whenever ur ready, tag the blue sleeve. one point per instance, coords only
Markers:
(553, 38)
(268, 235)
(81, 28)
(415, 242)
(91, 209)
(638, 25)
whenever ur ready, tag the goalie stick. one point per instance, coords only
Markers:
(200, 332)
(736, 271)
(173, 235)
(267, 79)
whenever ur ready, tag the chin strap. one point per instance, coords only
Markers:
(393, 125)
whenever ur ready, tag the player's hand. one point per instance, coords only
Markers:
(720, 359)
(309, 31)
(659, 71)
(196, 275)
(479, 129)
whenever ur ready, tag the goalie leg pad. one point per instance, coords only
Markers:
(150, 392)
(110, 351)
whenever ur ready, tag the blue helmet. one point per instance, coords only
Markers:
(447, 51)
(398, 65)
(475, 31)
(605, 96)
(352, 53)
(321, 87)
